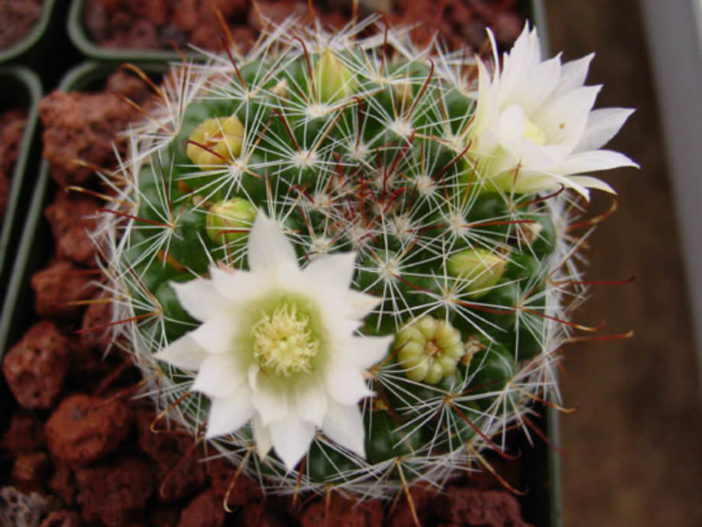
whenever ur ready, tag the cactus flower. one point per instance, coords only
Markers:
(229, 221)
(277, 347)
(535, 127)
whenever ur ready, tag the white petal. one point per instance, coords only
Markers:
(602, 125)
(216, 335)
(268, 246)
(291, 439)
(183, 353)
(237, 286)
(345, 383)
(365, 352)
(270, 401)
(343, 424)
(360, 303)
(228, 414)
(593, 161)
(199, 298)
(311, 401)
(573, 74)
(563, 121)
(219, 376)
(333, 268)
(262, 437)
(593, 182)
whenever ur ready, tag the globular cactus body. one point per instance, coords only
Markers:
(349, 144)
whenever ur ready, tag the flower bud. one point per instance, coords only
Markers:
(229, 221)
(480, 269)
(215, 141)
(333, 79)
(428, 349)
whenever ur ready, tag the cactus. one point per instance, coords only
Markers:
(371, 147)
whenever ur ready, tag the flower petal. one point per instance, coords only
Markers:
(334, 269)
(237, 286)
(343, 424)
(311, 401)
(268, 246)
(563, 121)
(262, 437)
(199, 298)
(291, 439)
(592, 161)
(228, 414)
(360, 304)
(573, 74)
(219, 376)
(593, 182)
(345, 384)
(365, 352)
(216, 335)
(602, 125)
(270, 401)
(183, 353)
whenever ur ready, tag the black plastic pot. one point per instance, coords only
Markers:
(540, 464)
(29, 44)
(21, 88)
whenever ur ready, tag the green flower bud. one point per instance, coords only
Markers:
(215, 141)
(333, 79)
(480, 269)
(428, 349)
(230, 221)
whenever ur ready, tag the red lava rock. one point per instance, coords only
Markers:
(95, 327)
(128, 85)
(62, 519)
(205, 510)
(57, 289)
(18, 18)
(342, 512)
(491, 508)
(257, 515)
(12, 123)
(36, 367)
(29, 471)
(24, 434)
(115, 493)
(82, 126)
(244, 489)
(275, 12)
(401, 515)
(71, 218)
(164, 516)
(180, 472)
(84, 429)
(63, 484)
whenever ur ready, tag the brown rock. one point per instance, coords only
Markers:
(36, 367)
(63, 484)
(492, 508)
(84, 429)
(164, 516)
(115, 493)
(258, 515)
(95, 327)
(244, 489)
(57, 289)
(401, 515)
(71, 219)
(342, 512)
(205, 510)
(265, 12)
(29, 471)
(82, 126)
(180, 472)
(62, 519)
(129, 85)
(24, 434)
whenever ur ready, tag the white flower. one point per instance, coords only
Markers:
(535, 128)
(277, 348)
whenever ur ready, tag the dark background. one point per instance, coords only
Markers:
(634, 447)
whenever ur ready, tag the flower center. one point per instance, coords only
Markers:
(533, 132)
(283, 341)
